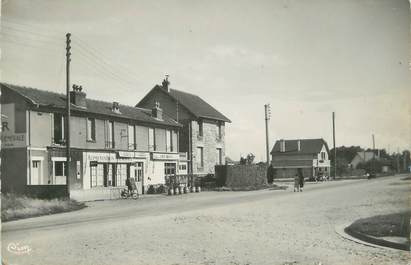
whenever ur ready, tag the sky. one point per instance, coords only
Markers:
(306, 59)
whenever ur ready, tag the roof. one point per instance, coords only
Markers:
(308, 146)
(56, 100)
(291, 163)
(193, 103)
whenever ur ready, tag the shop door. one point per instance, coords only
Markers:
(35, 172)
(139, 177)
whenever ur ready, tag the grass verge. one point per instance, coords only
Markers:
(14, 207)
(375, 229)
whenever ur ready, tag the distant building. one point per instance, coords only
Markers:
(203, 132)
(309, 155)
(110, 143)
(362, 157)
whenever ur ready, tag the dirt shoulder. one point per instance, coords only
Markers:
(15, 207)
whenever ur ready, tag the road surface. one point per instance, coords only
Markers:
(255, 227)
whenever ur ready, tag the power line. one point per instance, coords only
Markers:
(99, 57)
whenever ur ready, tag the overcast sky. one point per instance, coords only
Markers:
(306, 58)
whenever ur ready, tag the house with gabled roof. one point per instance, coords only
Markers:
(110, 143)
(311, 156)
(363, 157)
(203, 132)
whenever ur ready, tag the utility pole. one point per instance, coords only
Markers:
(373, 155)
(68, 59)
(335, 150)
(267, 109)
(398, 160)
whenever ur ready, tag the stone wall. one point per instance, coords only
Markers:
(209, 142)
(241, 176)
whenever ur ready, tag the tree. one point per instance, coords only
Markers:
(248, 160)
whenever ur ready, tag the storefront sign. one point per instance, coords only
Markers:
(102, 157)
(133, 154)
(162, 156)
(9, 137)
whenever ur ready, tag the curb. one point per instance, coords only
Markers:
(340, 230)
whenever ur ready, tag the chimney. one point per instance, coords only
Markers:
(157, 112)
(299, 145)
(166, 84)
(116, 107)
(282, 145)
(77, 97)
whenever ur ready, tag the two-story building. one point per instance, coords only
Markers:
(203, 132)
(309, 155)
(109, 142)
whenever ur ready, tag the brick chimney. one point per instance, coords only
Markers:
(166, 84)
(157, 112)
(116, 107)
(77, 97)
(282, 145)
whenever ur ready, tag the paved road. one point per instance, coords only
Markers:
(258, 227)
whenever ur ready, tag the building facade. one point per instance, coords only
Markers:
(309, 155)
(109, 143)
(203, 132)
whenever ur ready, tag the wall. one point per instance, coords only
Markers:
(14, 166)
(210, 143)
(241, 176)
(40, 128)
(291, 172)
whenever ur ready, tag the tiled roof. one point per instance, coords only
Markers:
(291, 163)
(308, 146)
(193, 103)
(56, 100)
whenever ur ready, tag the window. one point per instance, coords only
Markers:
(169, 169)
(322, 155)
(183, 167)
(169, 142)
(58, 135)
(131, 137)
(110, 134)
(151, 143)
(91, 129)
(200, 128)
(219, 131)
(97, 175)
(219, 156)
(200, 157)
(121, 174)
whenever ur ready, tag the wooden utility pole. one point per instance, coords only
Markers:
(373, 155)
(68, 59)
(267, 143)
(335, 150)
(398, 160)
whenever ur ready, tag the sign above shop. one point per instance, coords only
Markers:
(133, 154)
(163, 156)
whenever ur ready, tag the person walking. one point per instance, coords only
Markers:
(301, 179)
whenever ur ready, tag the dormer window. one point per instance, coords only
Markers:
(116, 108)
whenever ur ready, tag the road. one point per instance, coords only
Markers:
(256, 227)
